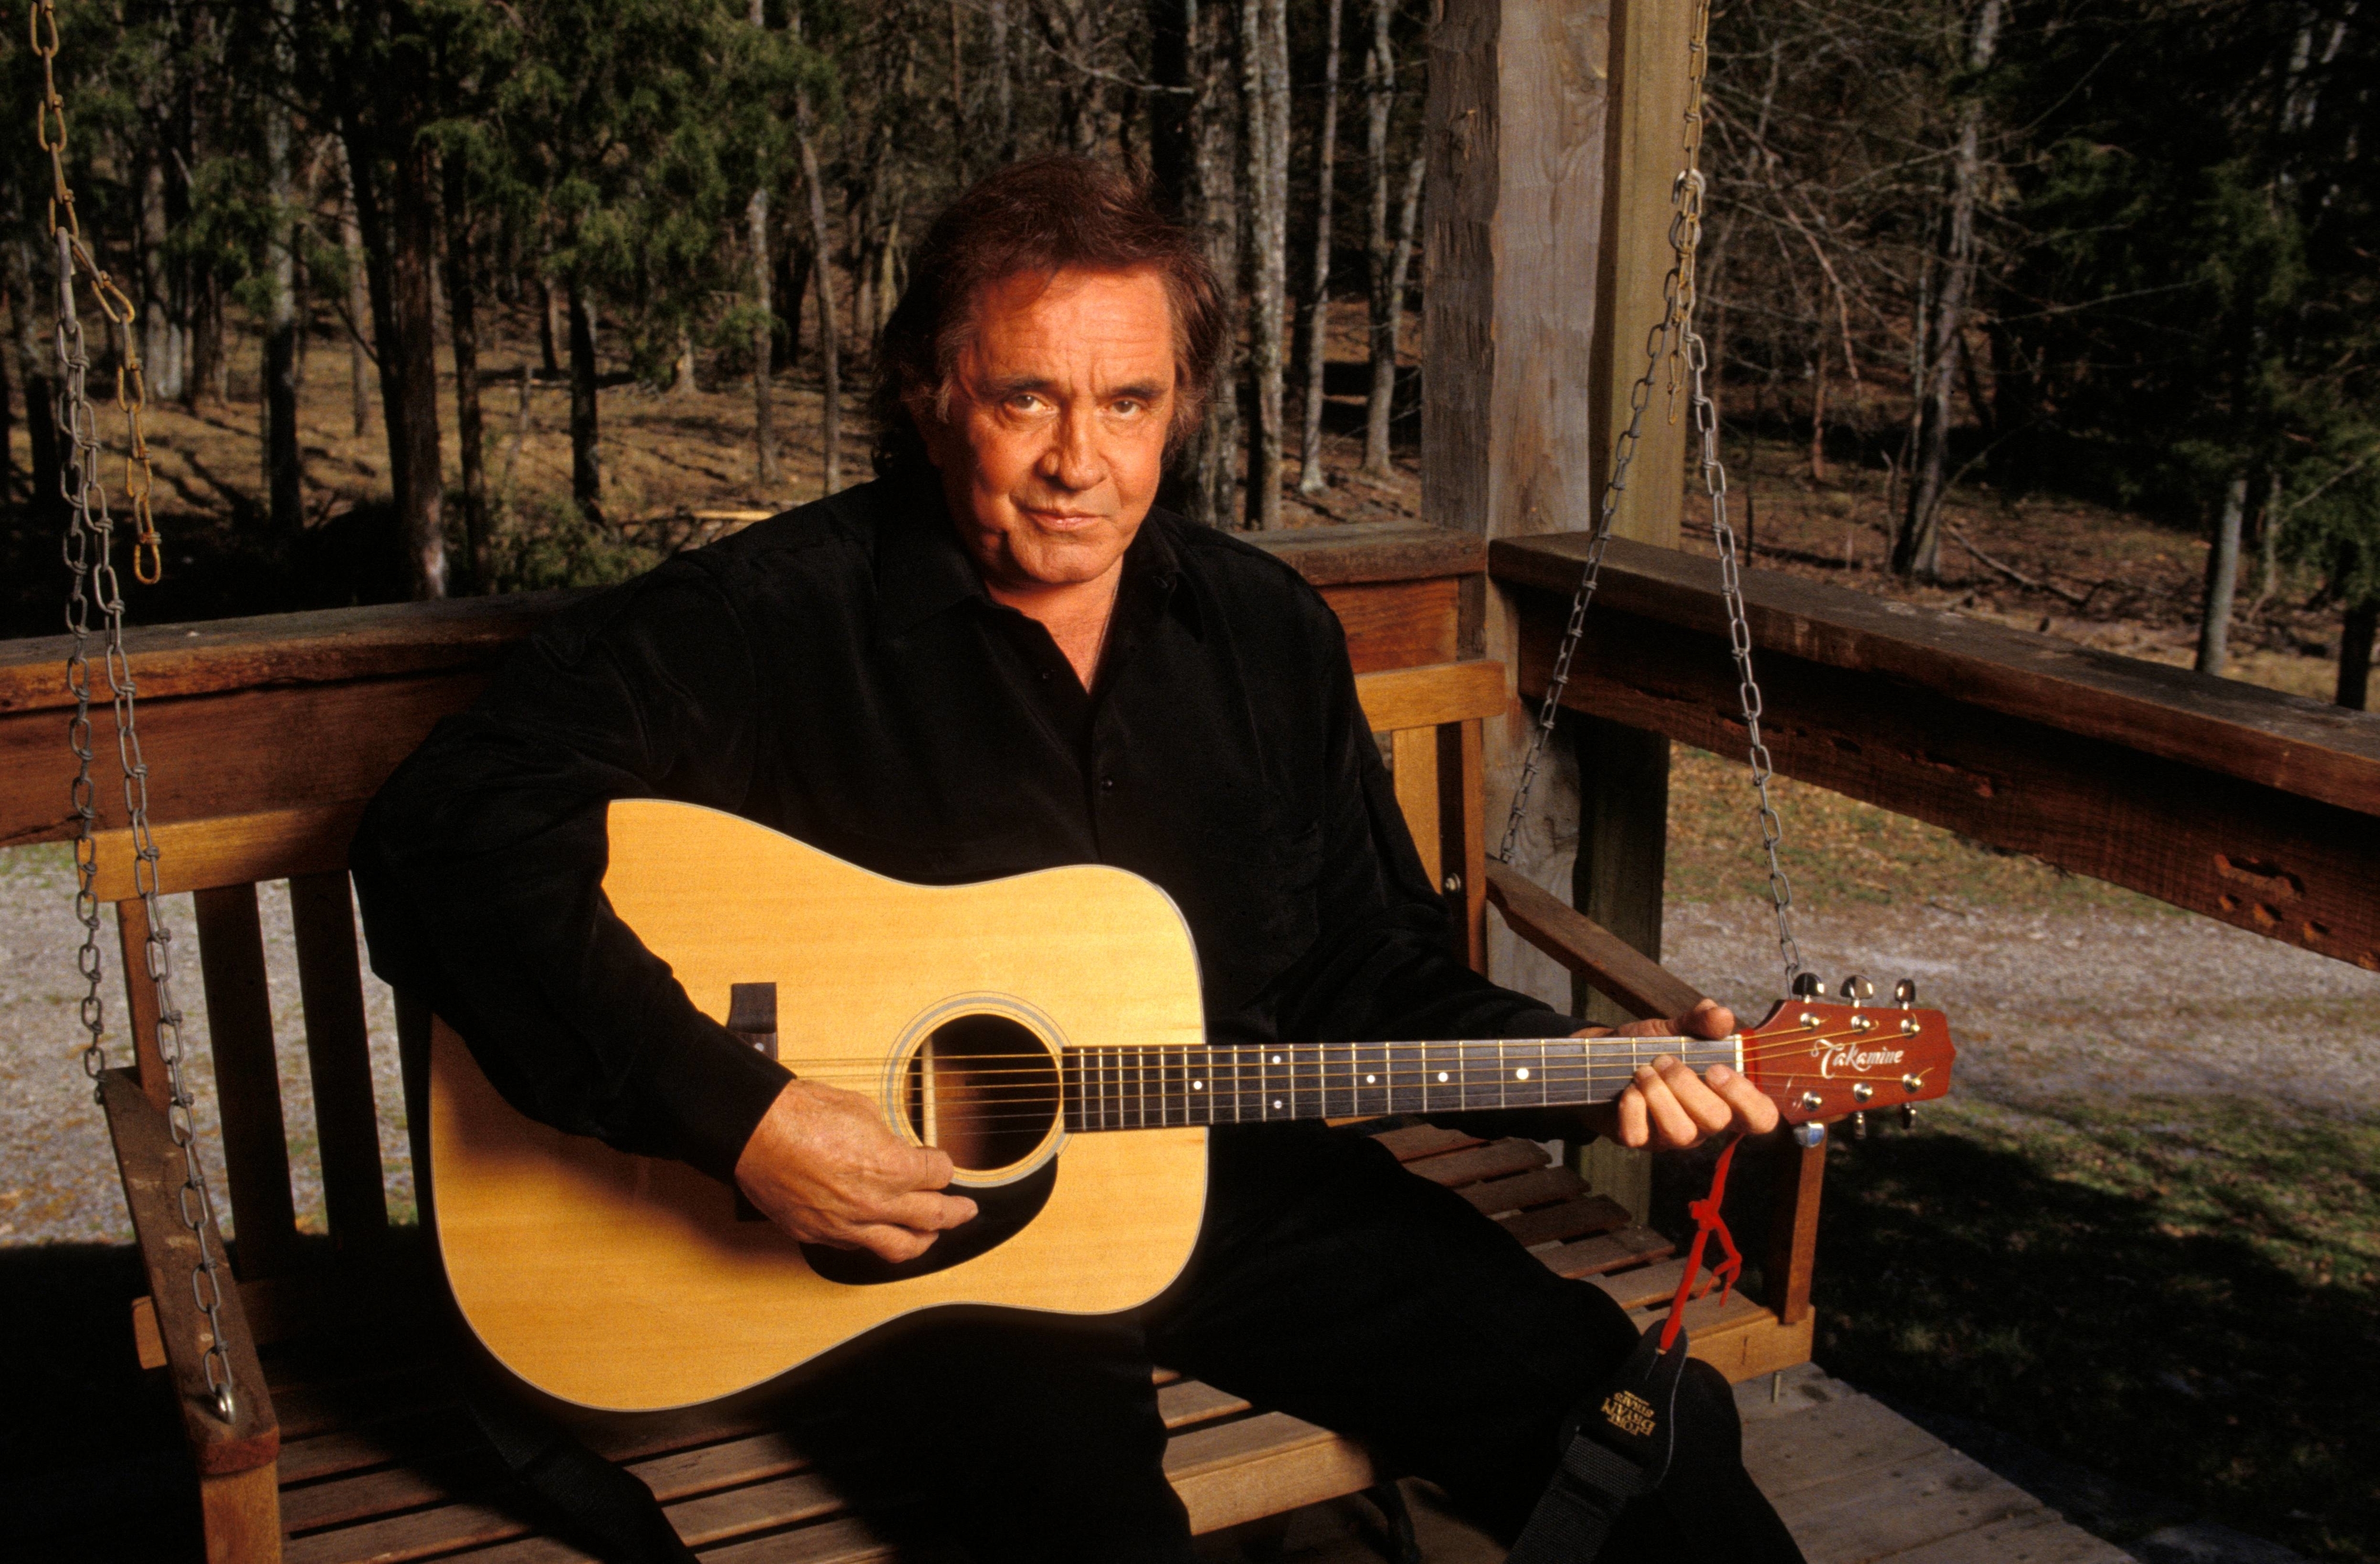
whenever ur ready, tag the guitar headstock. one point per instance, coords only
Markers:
(1820, 1059)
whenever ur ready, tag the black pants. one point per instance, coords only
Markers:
(1328, 1283)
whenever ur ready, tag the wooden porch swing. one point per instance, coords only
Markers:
(345, 1445)
(315, 1416)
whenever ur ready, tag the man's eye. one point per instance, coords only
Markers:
(1128, 405)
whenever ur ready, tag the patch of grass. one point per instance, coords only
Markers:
(1839, 850)
(547, 541)
(2181, 1293)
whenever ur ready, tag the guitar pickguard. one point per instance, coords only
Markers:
(1001, 1213)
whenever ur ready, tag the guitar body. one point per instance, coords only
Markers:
(632, 1283)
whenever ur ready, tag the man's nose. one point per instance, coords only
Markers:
(1072, 460)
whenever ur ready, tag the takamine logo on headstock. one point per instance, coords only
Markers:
(1821, 1058)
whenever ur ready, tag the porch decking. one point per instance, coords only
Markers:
(1856, 1482)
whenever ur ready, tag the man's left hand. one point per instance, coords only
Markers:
(1668, 1107)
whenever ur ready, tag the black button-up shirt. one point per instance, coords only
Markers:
(840, 675)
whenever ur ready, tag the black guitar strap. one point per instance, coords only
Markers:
(1618, 1445)
(604, 1508)
(1647, 1425)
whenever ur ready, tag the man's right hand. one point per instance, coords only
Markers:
(823, 1167)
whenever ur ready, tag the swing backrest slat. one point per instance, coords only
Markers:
(247, 1078)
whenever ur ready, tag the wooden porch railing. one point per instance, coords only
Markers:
(2258, 809)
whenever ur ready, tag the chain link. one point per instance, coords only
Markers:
(88, 550)
(1675, 343)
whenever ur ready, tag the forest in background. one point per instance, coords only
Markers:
(2116, 249)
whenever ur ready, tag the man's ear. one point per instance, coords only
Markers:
(932, 431)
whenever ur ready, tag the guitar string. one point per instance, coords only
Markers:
(1763, 1046)
(978, 1118)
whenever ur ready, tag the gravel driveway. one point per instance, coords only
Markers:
(2042, 1005)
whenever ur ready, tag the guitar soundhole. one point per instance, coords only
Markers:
(984, 1089)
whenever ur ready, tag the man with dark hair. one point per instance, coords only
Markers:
(996, 658)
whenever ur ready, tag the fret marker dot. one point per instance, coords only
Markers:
(1522, 1073)
(1276, 1102)
(1371, 1080)
(1441, 1076)
(1276, 1059)
(1197, 1085)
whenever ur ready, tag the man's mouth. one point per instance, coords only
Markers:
(1061, 521)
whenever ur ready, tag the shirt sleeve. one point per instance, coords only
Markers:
(479, 867)
(1385, 965)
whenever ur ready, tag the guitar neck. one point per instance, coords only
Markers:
(1127, 1088)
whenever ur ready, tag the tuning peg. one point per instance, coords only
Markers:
(1859, 1126)
(1810, 1137)
(1908, 1115)
(1808, 986)
(1856, 989)
(1905, 993)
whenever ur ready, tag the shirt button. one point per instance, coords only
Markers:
(1107, 784)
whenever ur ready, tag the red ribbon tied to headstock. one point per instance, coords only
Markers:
(1723, 1273)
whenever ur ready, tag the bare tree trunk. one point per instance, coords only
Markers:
(764, 336)
(1310, 477)
(586, 457)
(1918, 551)
(1003, 72)
(1170, 24)
(2222, 579)
(764, 325)
(958, 74)
(2265, 521)
(400, 250)
(160, 347)
(1386, 304)
(1380, 406)
(360, 316)
(206, 341)
(2355, 639)
(822, 246)
(549, 334)
(682, 380)
(1818, 412)
(1212, 207)
(463, 331)
(7, 421)
(1264, 87)
(284, 464)
(44, 501)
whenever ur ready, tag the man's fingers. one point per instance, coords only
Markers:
(1668, 1121)
(887, 1241)
(934, 1168)
(1709, 1019)
(1751, 1104)
(1633, 1131)
(928, 1213)
(1701, 1104)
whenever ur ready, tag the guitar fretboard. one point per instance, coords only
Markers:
(1125, 1088)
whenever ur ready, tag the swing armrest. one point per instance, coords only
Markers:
(1611, 966)
(152, 1168)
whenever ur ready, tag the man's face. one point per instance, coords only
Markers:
(1054, 440)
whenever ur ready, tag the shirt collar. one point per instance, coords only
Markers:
(920, 569)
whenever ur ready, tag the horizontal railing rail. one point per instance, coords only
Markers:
(2259, 808)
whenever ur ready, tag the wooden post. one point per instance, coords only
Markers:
(1511, 230)
(1546, 238)
(1546, 241)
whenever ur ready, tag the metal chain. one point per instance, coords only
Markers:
(88, 552)
(1675, 341)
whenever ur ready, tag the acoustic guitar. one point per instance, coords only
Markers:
(1044, 1030)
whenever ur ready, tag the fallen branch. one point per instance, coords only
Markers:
(2076, 600)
